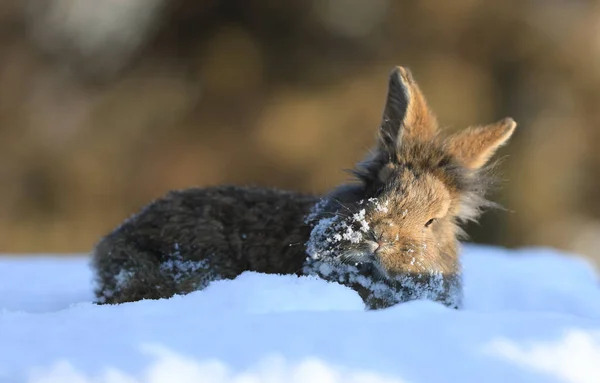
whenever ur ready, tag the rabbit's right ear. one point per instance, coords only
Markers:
(406, 113)
(473, 147)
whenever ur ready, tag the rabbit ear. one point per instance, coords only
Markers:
(406, 112)
(475, 146)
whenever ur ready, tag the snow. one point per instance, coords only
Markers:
(328, 232)
(531, 315)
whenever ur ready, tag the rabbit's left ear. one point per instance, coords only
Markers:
(406, 113)
(473, 147)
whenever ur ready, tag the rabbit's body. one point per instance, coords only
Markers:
(188, 238)
(392, 235)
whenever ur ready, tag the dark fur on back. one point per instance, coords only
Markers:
(180, 243)
(391, 235)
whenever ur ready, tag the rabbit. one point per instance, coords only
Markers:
(392, 233)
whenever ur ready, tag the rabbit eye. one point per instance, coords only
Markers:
(428, 223)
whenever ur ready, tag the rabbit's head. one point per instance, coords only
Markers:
(401, 218)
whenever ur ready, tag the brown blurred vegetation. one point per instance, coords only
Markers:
(106, 105)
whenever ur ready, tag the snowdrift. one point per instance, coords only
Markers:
(531, 315)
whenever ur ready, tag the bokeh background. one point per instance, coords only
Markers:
(106, 105)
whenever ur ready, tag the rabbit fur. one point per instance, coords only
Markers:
(392, 234)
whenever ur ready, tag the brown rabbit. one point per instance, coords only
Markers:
(392, 235)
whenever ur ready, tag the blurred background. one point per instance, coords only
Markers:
(106, 105)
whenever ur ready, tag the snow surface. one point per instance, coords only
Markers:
(531, 315)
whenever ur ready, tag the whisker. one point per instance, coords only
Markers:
(342, 205)
(355, 256)
(332, 214)
(348, 257)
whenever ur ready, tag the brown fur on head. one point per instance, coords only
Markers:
(402, 218)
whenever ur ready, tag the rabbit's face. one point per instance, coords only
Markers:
(401, 217)
(410, 227)
(405, 225)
